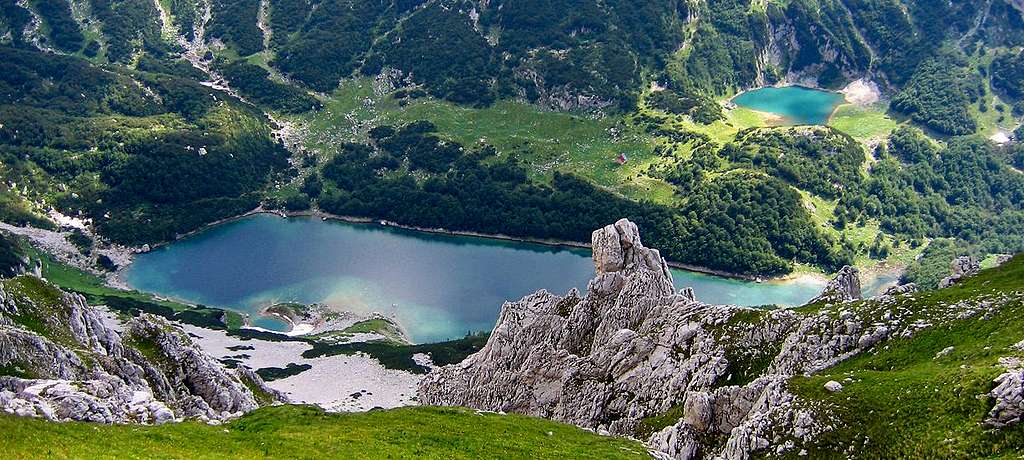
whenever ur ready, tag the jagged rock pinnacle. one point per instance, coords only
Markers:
(844, 287)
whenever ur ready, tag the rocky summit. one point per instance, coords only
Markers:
(633, 357)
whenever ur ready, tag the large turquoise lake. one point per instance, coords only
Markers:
(799, 105)
(439, 286)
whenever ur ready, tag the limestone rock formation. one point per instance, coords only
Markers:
(632, 349)
(1008, 395)
(961, 267)
(185, 376)
(901, 289)
(62, 362)
(845, 287)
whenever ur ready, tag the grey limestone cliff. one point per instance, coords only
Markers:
(632, 350)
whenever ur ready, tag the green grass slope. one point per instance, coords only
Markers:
(905, 400)
(307, 432)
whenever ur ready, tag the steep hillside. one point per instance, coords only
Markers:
(135, 84)
(145, 153)
(905, 374)
(577, 54)
(64, 363)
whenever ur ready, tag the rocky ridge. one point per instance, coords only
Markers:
(961, 267)
(633, 357)
(62, 362)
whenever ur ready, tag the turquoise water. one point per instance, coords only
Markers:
(439, 286)
(800, 105)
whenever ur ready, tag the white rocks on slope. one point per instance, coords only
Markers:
(1008, 395)
(83, 370)
(184, 375)
(961, 267)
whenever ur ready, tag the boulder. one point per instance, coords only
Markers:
(901, 289)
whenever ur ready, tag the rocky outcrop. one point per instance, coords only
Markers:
(59, 360)
(633, 348)
(1008, 395)
(845, 287)
(182, 374)
(901, 289)
(634, 357)
(960, 268)
(103, 400)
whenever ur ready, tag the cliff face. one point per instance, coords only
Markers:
(63, 361)
(633, 357)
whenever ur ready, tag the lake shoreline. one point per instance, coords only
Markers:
(790, 278)
(774, 119)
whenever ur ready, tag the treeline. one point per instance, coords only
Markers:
(549, 52)
(750, 224)
(823, 161)
(330, 44)
(63, 28)
(698, 106)
(235, 22)
(93, 142)
(1007, 73)
(130, 26)
(458, 65)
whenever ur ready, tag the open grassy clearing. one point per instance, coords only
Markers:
(866, 124)
(545, 141)
(992, 119)
(307, 432)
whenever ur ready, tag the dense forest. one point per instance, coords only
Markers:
(938, 94)
(103, 119)
(144, 166)
(738, 223)
(964, 190)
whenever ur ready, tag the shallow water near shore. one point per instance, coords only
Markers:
(797, 104)
(439, 286)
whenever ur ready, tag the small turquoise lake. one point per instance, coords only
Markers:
(799, 105)
(439, 286)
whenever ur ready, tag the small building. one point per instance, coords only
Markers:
(622, 159)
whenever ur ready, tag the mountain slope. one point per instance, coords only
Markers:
(697, 381)
(148, 88)
(62, 360)
(306, 432)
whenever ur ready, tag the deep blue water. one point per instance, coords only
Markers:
(800, 105)
(439, 286)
